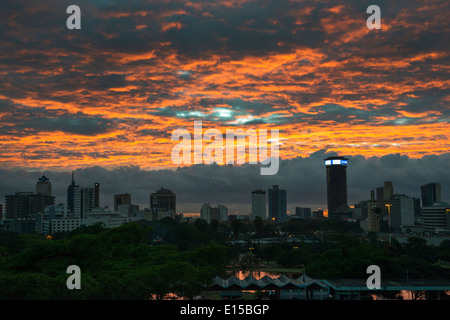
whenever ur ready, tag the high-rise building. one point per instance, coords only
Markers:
(74, 198)
(97, 195)
(87, 200)
(402, 211)
(79, 200)
(44, 186)
(304, 213)
(163, 202)
(388, 190)
(277, 205)
(26, 204)
(209, 213)
(431, 193)
(120, 199)
(336, 168)
(436, 217)
(258, 204)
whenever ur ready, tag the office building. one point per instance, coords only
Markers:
(209, 213)
(336, 170)
(87, 200)
(74, 198)
(317, 213)
(96, 195)
(431, 193)
(258, 204)
(304, 213)
(277, 204)
(402, 212)
(44, 186)
(388, 191)
(26, 204)
(121, 199)
(361, 210)
(80, 200)
(436, 218)
(163, 203)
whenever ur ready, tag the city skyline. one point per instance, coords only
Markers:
(237, 200)
(106, 99)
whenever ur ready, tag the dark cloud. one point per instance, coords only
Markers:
(19, 120)
(303, 178)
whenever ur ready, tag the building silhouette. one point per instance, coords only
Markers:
(73, 197)
(258, 204)
(163, 203)
(44, 186)
(431, 193)
(436, 218)
(87, 200)
(97, 195)
(26, 204)
(210, 213)
(304, 213)
(120, 199)
(80, 200)
(277, 204)
(336, 170)
(403, 211)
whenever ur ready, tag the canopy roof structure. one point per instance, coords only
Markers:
(265, 283)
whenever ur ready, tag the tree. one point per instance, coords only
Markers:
(214, 225)
(201, 224)
(236, 226)
(259, 224)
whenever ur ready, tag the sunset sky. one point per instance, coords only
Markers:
(112, 93)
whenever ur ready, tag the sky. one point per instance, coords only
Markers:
(104, 100)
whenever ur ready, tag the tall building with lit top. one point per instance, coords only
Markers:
(336, 168)
(44, 186)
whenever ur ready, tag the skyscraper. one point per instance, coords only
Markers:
(80, 200)
(336, 168)
(431, 193)
(44, 186)
(277, 205)
(97, 195)
(87, 200)
(74, 198)
(258, 204)
(402, 212)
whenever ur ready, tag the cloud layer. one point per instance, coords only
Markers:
(302, 177)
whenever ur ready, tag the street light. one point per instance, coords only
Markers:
(389, 205)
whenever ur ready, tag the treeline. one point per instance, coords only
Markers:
(120, 263)
(349, 255)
